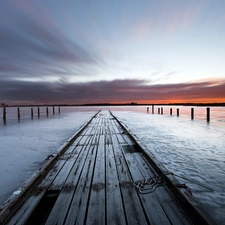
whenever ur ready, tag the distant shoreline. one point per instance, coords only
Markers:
(122, 104)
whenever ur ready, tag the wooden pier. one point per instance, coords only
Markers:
(102, 175)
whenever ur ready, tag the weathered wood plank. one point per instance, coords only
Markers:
(26, 209)
(137, 175)
(131, 202)
(144, 166)
(61, 207)
(84, 140)
(31, 203)
(152, 208)
(79, 204)
(172, 210)
(77, 210)
(70, 159)
(59, 181)
(117, 128)
(96, 207)
(114, 201)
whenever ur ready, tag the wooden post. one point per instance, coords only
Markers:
(47, 111)
(171, 111)
(162, 110)
(208, 114)
(158, 110)
(152, 109)
(53, 110)
(4, 113)
(38, 112)
(18, 113)
(192, 113)
(59, 109)
(147, 109)
(178, 113)
(32, 113)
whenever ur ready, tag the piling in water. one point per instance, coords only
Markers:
(171, 111)
(192, 113)
(18, 113)
(152, 109)
(38, 112)
(32, 113)
(162, 110)
(4, 114)
(178, 113)
(208, 114)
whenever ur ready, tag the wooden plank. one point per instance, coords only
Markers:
(131, 202)
(61, 207)
(71, 158)
(137, 175)
(76, 141)
(90, 128)
(152, 208)
(26, 209)
(117, 128)
(120, 138)
(172, 210)
(78, 207)
(84, 140)
(77, 210)
(31, 203)
(127, 139)
(59, 181)
(115, 210)
(144, 166)
(97, 196)
(87, 133)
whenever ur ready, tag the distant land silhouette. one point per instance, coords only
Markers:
(119, 104)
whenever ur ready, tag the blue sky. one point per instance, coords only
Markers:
(112, 51)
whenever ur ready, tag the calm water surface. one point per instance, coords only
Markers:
(193, 149)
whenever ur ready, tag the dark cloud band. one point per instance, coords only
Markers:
(116, 91)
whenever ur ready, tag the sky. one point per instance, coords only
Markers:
(89, 51)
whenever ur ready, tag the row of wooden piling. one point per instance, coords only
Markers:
(31, 112)
(160, 111)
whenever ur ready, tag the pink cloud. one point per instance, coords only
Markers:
(143, 29)
(181, 15)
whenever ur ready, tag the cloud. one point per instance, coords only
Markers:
(162, 77)
(32, 44)
(143, 30)
(179, 15)
(116, 91)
